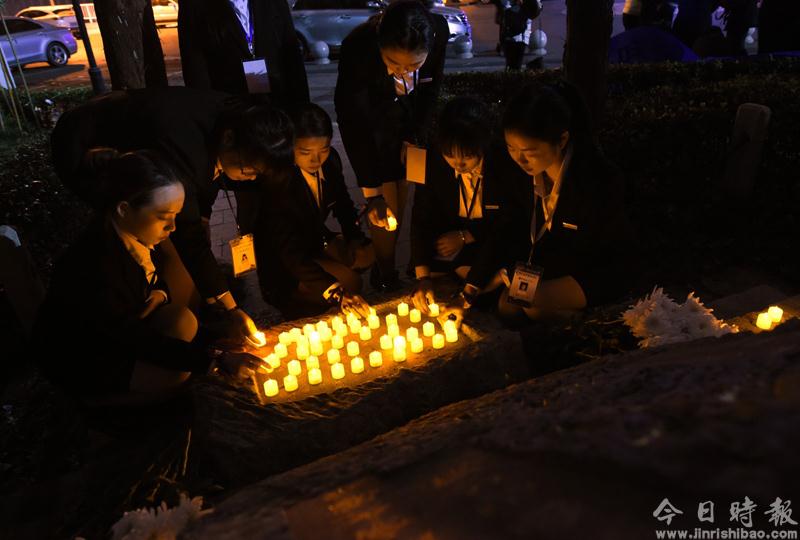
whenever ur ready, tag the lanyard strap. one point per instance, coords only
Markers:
(234, 212)
(319, 190)
(251, 34)
(535, 237)
(413, 101)
(463, 190)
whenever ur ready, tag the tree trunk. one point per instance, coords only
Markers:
(589, 27)
(130, 40)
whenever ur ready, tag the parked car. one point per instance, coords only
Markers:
(332, 20)
(62, 16)
(165, 12)
(36, 41)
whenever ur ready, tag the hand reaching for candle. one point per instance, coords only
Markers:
(423, 295)
(353, 303)
(242, 325)
(239, 364)
(378, 213)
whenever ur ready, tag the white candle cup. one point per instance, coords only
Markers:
(316, 348)
(417, 345)
(391, 320)
(295, 333)
(257, 339)
(357, 365)
(351, 317)
(302, 341)
(374, 322)
(399, 355)
(320, 325)
(314, 376)
(402, 309)
(355, 327)
(337, 371)
(313, 337)
(399, 342)
(412, 334)
(449, 325)
(775, 313)
(428, 329)
(393, 331)
(365, 333)
(280, 350)
(326, 334)
(337, 342)
(386, 342)
(438, 341)
(334, 356)
(336, 321)
(414, 316)
(270, 388)
(308, 328)
(451, 336)
(342, 330)
(433, 310)
(285, 338)
(312, 363)
(294, 367)
(302, 352)
(391, 223)
(272, 360)
(290, 383)
(375, 359)
(764, 321)
(352, 348)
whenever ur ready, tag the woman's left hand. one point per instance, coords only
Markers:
(450, 243)
(156, 299)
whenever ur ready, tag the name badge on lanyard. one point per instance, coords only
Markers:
(243, 253)
(256, 73)
(415, 163)
(527, 275)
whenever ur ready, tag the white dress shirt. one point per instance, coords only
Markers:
(311, 180)
(468, 182)
(139, 252)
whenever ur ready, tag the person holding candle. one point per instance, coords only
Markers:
(390, 71)
(568, 221)
(462, 196)
(120, 339)
(303, 266)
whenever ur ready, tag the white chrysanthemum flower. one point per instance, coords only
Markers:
(161, 523)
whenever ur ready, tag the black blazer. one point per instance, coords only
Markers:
(590, 239)
(178, 122)
(437, 202)
(213, 45)
(291, 231)
(91, 310)
(373, 120)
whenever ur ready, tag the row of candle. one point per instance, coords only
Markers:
(772, 317)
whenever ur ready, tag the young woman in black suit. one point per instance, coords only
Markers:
(390, 70)
(566, 217)
(108, 307)
(463, 195)
(305, 268)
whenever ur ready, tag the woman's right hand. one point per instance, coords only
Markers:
(423, 295)
(239, 364)
(378, 213)
(353, 303)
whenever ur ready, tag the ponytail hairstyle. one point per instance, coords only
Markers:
(406, 25)
(544, 112)
(465, 125)
(131, 177)
(261, 136)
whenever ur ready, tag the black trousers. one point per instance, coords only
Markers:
(515, 52)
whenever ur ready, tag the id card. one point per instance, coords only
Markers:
(256, 75)
(243, 254)
(415, 164)
(524, 283)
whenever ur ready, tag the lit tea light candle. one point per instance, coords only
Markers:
(280, 350)
(775, 313)
(295, 333)
(290, 383)
(375, 359)
(451, 336)
(399, 355)
(272, 360)
(334, 356)
(357, 365)
(257, 339)
(352, 348)
(365, 333)
(285, 338)
(438, 341)
(417, 345)
(294, 367)
(393, 331)
(372, 311)
(414, 316)
(433, 310)
(336, 321)
(302, 341)
(400, 342)
(391, 320)
(342, 330)
(337, 371)
(316, 348)
(374, 322)
(386, 342)
(402, 309)
(312, 363)
(449, 325)
(313, 337)
(271, 388)
(391, 223)
(321, 325)
(764, 321)
(337, 342)
(355, 327)
(351, 317)
(302, 352)
(314, 376)
(326, 334)
(412, 334)
(307, 329)
(428, 329)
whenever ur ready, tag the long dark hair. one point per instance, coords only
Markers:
(130, 177)
(464, 124)
(311, 120)
(406, 25)
(544, 112)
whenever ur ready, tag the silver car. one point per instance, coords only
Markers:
(61, 15)
(37, 42)
(331, 21)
